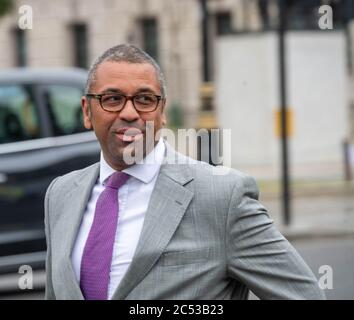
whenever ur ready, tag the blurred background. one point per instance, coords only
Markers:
(277, 73)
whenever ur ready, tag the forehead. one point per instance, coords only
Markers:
(126, 76)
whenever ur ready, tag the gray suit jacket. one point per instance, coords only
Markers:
(205, 236)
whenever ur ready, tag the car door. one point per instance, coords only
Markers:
(50, 143)
(72, 146)
(21, 226)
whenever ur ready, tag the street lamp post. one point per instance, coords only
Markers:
(207, 119)
(205, 43)
(283, 114)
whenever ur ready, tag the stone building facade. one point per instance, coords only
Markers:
(73, 32)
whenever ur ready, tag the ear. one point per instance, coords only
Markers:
(163, 112)
(86, 111)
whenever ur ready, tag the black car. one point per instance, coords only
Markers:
(41, 137)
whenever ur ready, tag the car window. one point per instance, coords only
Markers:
(64, 108)
(18, 114)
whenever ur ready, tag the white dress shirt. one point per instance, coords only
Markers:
(134, 198)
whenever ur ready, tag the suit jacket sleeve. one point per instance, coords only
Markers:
(49, 292)
(259, 256)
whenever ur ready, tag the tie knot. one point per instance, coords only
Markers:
(117, 179)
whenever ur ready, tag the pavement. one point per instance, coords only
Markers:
(337, 254)
(318, 208)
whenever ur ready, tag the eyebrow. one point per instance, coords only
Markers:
(140, 90)
(112, 90)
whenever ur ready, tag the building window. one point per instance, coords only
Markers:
(304, 15)
(223, 23)
(264, 14)
(20, 48)
(79, 36)
(150, 37)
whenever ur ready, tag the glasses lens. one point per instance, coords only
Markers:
(145, 102)
(112, 101)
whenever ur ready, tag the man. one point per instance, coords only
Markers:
(163, 227)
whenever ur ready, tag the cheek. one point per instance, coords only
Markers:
(102, 124)
(155, 118)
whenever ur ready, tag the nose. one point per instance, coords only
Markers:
(129, 113)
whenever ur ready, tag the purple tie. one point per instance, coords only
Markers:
(97, 256)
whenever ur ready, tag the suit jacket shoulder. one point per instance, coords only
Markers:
(70, 177)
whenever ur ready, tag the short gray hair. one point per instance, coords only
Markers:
(125, 53)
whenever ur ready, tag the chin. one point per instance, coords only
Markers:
(128, 155)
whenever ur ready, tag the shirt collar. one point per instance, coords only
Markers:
(144, 171)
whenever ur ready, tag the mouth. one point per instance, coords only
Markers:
(128, 134)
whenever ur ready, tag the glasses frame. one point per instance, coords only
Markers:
(127, 98)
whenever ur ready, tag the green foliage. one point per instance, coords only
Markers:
(6, 6)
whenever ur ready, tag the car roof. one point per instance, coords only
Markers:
(43, 75)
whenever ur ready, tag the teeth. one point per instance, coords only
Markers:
(128, 138)
(131, 132)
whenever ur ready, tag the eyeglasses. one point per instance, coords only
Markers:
(115, 102)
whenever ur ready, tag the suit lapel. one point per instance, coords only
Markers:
(78, 197)
(168, 203)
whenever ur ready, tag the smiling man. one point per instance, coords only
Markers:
(165, 226)
(134, 93)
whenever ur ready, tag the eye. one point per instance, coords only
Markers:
(145, 99)
(112, 99)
